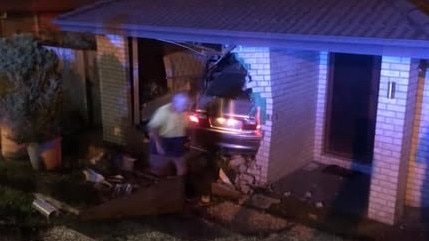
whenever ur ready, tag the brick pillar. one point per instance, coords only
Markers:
(112, 55)
(392, 142)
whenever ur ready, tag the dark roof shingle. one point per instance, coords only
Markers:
(353, 18)
(377, 26)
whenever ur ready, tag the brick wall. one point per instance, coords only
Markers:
(259, 61)
(418, 174)
(287, 80)
(115, 97)
(392, 142)
(294, 78)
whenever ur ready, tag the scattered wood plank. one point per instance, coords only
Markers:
(57, 204)
(225, 190)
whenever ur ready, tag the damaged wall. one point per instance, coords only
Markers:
(294, 77)
(288, 132)
(258, 60)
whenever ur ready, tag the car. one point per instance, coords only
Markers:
(225, 116)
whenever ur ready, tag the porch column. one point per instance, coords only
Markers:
(392, 142)
(113, 63)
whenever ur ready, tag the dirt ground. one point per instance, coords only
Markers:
(296, 217)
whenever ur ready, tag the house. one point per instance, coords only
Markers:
(344, 82)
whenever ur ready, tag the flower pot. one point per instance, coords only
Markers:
(47, 154)
(9, 148)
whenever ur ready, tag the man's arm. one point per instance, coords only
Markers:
(154, 135)
(153, 127)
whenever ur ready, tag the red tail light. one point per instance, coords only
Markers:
(193, 119)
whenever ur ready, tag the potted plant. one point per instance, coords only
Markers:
(30, 105)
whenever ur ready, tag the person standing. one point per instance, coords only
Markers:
(168, 134)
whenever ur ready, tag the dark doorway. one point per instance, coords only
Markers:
(352, 105)
(152, 76)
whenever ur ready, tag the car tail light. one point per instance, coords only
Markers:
(197, 118)
(229, 123)
(194, 119)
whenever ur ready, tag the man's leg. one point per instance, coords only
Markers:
(160, 165)
(181, 167)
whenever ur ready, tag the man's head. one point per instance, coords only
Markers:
(180, 102)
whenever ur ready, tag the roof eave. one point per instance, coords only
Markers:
(357, 45)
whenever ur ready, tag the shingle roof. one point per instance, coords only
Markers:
(239, 19)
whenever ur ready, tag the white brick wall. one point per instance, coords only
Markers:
(294, 77)
(112, 58)
(418, 174)
(392, 151)
(392, 142)
(259, 60)
(288, 82)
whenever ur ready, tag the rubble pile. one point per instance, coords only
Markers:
(241, 171)
(114, 176)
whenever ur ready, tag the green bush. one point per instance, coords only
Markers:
(31, 100)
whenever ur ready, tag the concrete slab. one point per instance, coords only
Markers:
(337, 188)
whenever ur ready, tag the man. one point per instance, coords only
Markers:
(167, 131)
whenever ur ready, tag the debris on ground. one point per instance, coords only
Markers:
(57, 204)
(312, 216)
(287, 194)
(223, 177)
(246, 220)
(262, 202)
(93, 176)
(45, 208)
(166, 196)
(319, 205)
(225, 190)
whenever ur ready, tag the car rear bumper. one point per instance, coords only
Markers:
(233, 142)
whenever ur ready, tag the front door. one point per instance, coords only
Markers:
(352, 105)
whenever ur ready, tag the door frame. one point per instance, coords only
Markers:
(328, 104)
